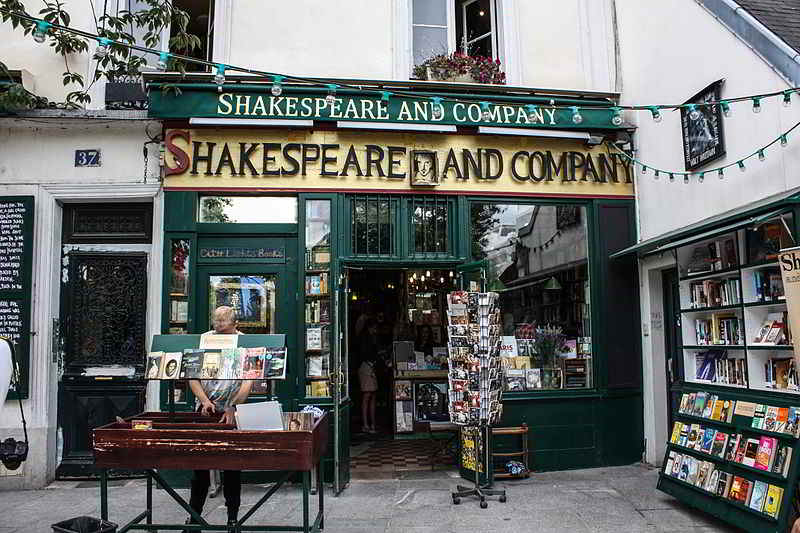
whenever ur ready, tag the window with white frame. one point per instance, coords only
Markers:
(445, 26)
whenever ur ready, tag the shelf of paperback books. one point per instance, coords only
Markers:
(318, 303)
(734, 458)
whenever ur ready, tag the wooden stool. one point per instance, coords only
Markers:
(522, 431)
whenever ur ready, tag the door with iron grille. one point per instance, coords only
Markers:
(103, 330)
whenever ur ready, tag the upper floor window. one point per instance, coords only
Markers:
(201, 24)
(444, 26)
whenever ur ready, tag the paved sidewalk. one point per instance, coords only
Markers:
(614, 500)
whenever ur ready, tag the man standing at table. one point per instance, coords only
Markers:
(220, 396)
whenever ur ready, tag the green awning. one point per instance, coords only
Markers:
(752, 213)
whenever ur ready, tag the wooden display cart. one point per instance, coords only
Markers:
(192, 441)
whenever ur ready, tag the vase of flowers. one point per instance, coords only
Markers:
(548, 342)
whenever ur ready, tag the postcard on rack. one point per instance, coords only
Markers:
(230, 365)
(192, 364)
(211, 361)
(211, 341)
(154, 365)
(253, 363)
(171, 365)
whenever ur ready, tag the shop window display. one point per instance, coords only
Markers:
(537, 259)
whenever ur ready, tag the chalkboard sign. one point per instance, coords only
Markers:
(16, 247)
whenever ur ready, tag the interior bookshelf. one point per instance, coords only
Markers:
(734, 326)
(318, 308)
(733, 456)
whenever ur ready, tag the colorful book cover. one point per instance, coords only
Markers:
(772, 503)
(708, 440)
(670, 462)
(741, 446)
(758, 496)
(766, 449)
(720, 440)
(694, 467)
(739, 487)
(758, 416)
(684, 438)
(171, 365)
(684, 402)
(782, 420)
(154, 360)
(676, 465)
(709, 408)
(727, 411)
(192, 364)
(230, 366)
(716, 414)
(730, 449)
(750, 452)
(793, 418)
(770, 418)
(676, 432)
(703, 471)
(699, 404)
(210, 364)
(694, 433)
(275, 363)
(780, 460)
(683, 473)
(253, 363)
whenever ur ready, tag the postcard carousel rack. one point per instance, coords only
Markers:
(474, 381)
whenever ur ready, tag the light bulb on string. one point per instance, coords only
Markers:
(761, 156)
(616, 116)
(577, 118)
(726, 108)
(671, 176)
(219, 77)
(655, 174)
(486, 116)
(384, 103)
(756, 104)
(163, 57)
(701, 177)
(655, 111)
(741, 166)
(787, 98)
(437, 110)
(102, 48)
(784, 141)
(721, 173)
(686, 178)
(451, 273)
(40, 33)
(644, 169)
(330, 99)
(428, 273)
(276, 90)
(694, 114)
(532, 116)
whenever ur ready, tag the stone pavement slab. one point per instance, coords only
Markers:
(601, 500)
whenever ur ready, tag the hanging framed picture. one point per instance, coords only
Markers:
(703, 139)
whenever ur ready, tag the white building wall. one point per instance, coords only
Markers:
(668, 52)
(37, 158)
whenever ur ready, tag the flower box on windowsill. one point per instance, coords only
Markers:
(458, 67)
(455, 78)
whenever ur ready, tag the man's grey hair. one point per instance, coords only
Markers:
(225, 312)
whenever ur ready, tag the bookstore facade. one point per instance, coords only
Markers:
(347, 237)
(724, 397)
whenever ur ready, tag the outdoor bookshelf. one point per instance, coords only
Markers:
(736, 345)
(730, 290)
(318, 309)
(722, 506)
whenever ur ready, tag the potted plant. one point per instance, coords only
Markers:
(458, 67)
(548, 342)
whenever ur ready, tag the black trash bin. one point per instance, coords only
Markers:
(85, 524)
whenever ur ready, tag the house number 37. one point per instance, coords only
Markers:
(87, 158)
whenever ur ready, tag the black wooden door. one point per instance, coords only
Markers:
(672, 341)
(104, 297)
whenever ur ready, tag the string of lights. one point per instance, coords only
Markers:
(760, 153)
(43, 28)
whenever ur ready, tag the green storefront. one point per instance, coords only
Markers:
(321, 218)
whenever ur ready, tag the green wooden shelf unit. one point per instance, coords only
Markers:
(730, 292)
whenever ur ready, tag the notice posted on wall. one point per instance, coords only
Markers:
(12, 244)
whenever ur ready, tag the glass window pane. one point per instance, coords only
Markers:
(248, 209)
(428, 42)
(318, 234)
(429, 220)
(180, 254)
(538, 263)
(481, 47)
(479, 18)
(430, 12)
(251, 297)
